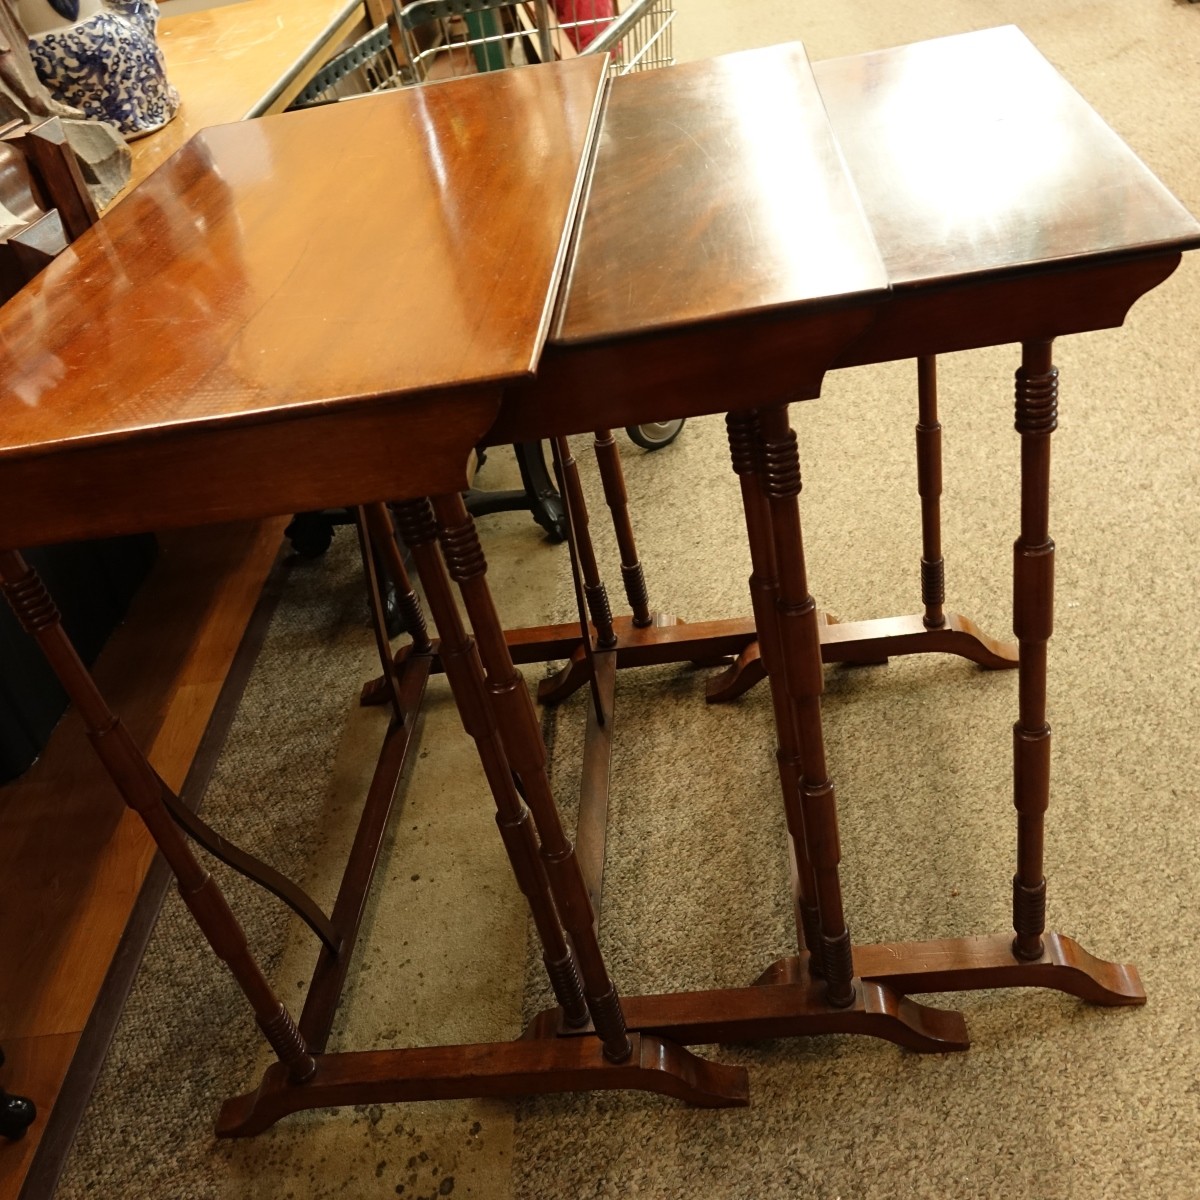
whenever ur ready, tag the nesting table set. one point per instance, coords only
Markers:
(289, 315)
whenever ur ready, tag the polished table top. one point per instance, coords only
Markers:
(718, 191)
(998, 207)
(331, 261)
(972, 154)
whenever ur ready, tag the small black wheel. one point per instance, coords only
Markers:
(16, 1113)
(549, 513)
(310, 534)
(656, 434)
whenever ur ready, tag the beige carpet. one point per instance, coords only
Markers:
(1055, 1099)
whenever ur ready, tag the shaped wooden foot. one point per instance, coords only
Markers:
(738, 678)
(967, 964)
(872, 643)
(793, 1008)
(527, 1067)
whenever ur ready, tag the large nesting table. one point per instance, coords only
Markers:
(239, 339)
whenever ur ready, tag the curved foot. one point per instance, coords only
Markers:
(665, 1067)
(748, 669)
(521, 1068)
(895, 1018)
(1067, 967)
(737, 679)
(869, 642)
(566, 681)
(967, 964)
(969, 641)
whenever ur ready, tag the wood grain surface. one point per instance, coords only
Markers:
(726, 261)
(718, 191)
(972, 154)
(298, 266)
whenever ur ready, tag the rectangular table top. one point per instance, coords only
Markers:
(316, 308)
(720, 189)
(972, 154)
(404, 243)
(736, 243)
(959, 194)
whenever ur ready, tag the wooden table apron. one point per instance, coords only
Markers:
(224, 346)
(678, 306)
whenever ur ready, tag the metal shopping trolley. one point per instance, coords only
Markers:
(432, 40)
(441, 39)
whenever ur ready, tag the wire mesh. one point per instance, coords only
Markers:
(443, 39)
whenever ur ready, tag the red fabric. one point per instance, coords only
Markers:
(585, 11)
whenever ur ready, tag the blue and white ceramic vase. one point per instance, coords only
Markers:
(101, 57)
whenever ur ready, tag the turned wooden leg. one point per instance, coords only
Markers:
(593, 585)
(800, 659)
(144, 791)
(742, 429)
(1033, 620)
(617, 499)
(522, 740)
(929, 486)
(582, 665)
(460, 659)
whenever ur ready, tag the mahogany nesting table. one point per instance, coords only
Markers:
(243, 337)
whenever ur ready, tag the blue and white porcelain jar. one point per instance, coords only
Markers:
(101, 56)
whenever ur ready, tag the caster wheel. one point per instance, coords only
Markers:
(656, 434)
(552, 517)
(557, 532)
(16, 1116)
(310, 534)
(16, 1113)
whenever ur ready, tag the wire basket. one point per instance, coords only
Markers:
(443, 39)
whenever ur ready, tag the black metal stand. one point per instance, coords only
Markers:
(537, 494)
(311, 533)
